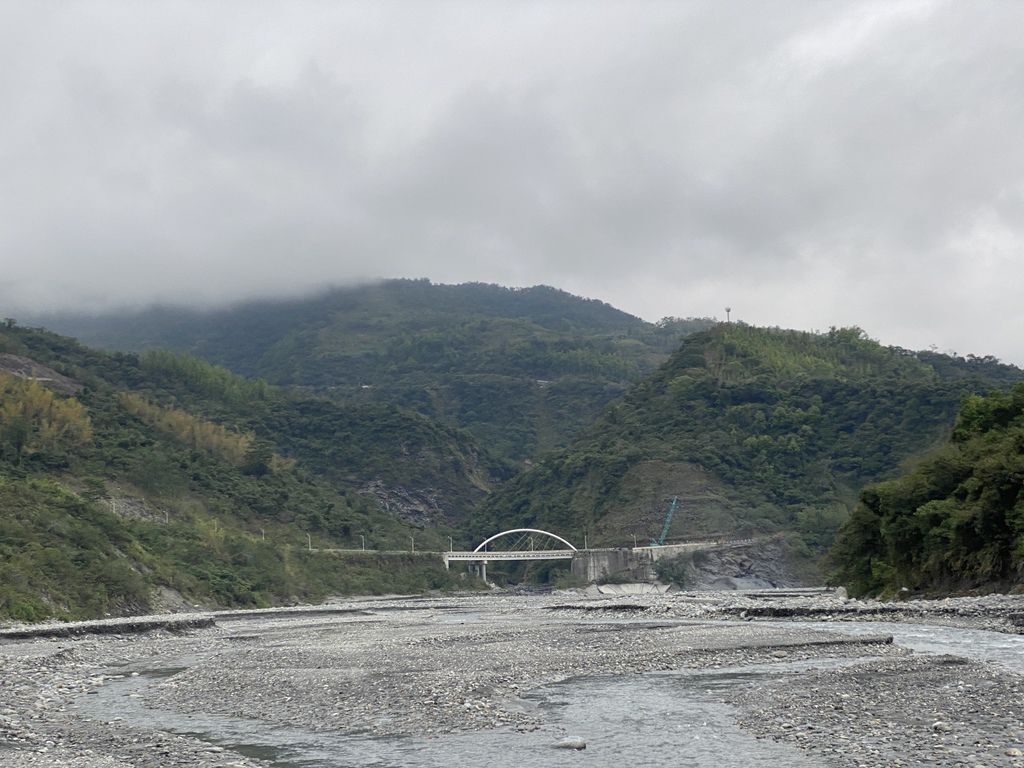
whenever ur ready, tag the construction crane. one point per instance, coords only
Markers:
(660, 541)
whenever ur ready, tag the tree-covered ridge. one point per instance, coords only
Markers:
(36, 422)
(198, 434)
(744, 352)
(213, 382)
(755, 429)
(522, 369)
(956, 521)
(237, 335)
(165, 471)
(347, 443)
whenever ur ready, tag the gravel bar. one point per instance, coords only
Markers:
(423, 667)
(108, 627)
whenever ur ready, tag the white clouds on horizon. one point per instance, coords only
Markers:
(810, 164)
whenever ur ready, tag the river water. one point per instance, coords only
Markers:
(976, 644)
(675, 718)
(655, 719)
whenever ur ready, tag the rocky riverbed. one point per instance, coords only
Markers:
(425, 667)
(999, 613)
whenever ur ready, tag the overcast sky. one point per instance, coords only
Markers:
(807, 163)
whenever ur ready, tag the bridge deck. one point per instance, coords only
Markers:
(530, 554)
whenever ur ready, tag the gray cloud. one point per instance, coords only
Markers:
(809, 164)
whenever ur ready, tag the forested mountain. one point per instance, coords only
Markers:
(522, 369)
(956, 521)
(122, 473)
(755, 430)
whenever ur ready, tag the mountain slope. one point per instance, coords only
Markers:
(521, 369)
(755, 430)
(120, 475)
(371, 448)
(956, 521)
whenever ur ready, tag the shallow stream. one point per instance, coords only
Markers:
(675, 718)
(656, 719)
(975, 644)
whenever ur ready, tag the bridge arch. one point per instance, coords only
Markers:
(524, 530)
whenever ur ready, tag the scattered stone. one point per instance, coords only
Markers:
(571, 743)
(424, 667)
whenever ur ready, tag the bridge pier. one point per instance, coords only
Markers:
(635, 564)
(595, 565)
(478, 567)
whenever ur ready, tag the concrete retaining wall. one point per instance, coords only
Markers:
(627, 564)
(612, 564)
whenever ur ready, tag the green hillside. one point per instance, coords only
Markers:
(755, 430)
(122, 474)
(523, 370)
(956, 521)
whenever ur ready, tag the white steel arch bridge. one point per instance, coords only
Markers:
(515, 544)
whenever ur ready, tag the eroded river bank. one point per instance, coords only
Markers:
(652, 679)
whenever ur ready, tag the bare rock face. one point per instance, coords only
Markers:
(27, 368)
(760, 565)
(415, 506)
(135, 508)
(167, 600)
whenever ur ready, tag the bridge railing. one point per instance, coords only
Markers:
(526, 554)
